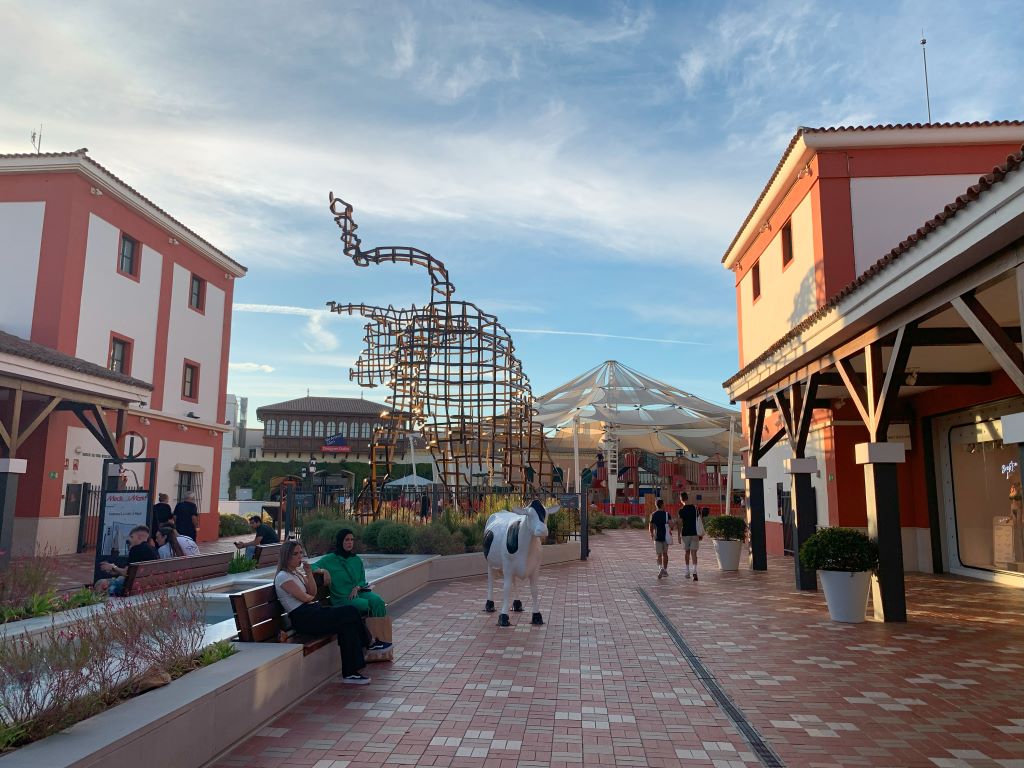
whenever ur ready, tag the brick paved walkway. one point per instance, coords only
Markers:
(604, 684)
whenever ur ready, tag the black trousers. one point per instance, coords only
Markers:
(345, 622)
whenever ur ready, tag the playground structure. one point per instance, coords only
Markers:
(453, 376)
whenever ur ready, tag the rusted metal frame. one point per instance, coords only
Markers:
(991, 335)
(1010, 258)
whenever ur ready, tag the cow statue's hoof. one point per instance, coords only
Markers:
(503, 620)
(537, 619)
(517, 606)
(489, 606)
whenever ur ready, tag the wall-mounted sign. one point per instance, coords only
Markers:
(335, 444)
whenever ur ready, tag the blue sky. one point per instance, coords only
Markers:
(580, 167)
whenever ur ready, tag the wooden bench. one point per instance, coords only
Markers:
(258, 617)
(267, 554)
(157, 574)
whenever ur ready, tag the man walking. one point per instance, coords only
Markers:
(691, 531)
(660, 528)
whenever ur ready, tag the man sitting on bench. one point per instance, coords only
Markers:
(264, 535)
(140, 551)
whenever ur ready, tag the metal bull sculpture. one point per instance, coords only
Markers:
(454, 377)
(512, 542)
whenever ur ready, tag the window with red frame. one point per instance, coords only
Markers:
(128, 256)
(190, 382)
(197, 294)
(120, 356)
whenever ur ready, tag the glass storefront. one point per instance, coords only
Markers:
(987, 508)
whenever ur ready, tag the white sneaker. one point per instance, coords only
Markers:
(355, 680)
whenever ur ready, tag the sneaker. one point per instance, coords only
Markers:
(661, 574)
(379, 645)
(694, 576)
(355, 680)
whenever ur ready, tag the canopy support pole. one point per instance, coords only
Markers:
(728, 480)
(576, 453)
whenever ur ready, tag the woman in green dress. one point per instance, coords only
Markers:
(346, 576)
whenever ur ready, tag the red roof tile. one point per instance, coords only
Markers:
(973, 193)
(30, 350)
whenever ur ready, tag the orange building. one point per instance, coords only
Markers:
(852, 333)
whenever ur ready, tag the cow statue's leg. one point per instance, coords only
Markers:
(489, 605)
(506, 592)
(517, 606)
(537, 618)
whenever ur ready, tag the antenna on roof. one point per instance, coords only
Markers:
(37, 140)
(927, 95)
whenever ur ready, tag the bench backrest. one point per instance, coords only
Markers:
(258, 614)
(156, 574)
(267, 554)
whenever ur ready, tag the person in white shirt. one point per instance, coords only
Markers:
(296, 590)
(170, 543)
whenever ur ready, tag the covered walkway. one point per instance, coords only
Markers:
(607, 682)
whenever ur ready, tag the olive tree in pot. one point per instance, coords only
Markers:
(844, 558)
(728, 533)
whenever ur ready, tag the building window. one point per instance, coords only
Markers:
(295, 428)
(271, 427)
(318, 429)
(191, 482)
(120, 358)
(128, 257)
(787, 244)
(353, 429)
(331, 428)
(366, 430)
(252, 453)
(307, 428)
(197, 294)
(282, 428)
(190, 381)
(755, 280)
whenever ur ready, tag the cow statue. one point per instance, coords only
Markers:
(512, 542)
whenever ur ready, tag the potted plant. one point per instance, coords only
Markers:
(845, 559)
(728, 533)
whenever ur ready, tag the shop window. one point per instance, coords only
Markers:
(787, 244)
(190, 381)
(197, 294)
(128, 261)
(318, 429)
(986, 498)
(755, 280)
(120, 357)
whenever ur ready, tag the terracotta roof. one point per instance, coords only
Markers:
(327, 406)
(82, 155)
(30, 350)
(803, 130)
(973, 193)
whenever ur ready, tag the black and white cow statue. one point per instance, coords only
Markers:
(512, 542)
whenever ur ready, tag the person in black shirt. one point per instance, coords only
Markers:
(186, 517)
(162, 511)
(139, 552)
(660, 528)
(691, 531)
(264, 535)
(424, 508)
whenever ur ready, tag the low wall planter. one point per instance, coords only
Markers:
(728, 554)
(846, 594)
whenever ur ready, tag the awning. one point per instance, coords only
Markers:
(189, 468)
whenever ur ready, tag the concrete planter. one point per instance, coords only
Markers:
(846, 594)
(728, 554)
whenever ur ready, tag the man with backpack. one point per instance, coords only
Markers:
(691, 531)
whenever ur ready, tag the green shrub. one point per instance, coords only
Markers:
(216, 652)
(473, 533)
(240, 563)
(372, 532)
(839, 549)
(451, 519)
(726, 527)
(437, 540)
(233, 525)
(395, 539)
(559, 524)
(319, 534)
(637, 522)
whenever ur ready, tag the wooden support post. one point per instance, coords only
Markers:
(882, 496)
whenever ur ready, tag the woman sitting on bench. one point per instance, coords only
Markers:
(170, 543)
(345, 574)
(296, 590)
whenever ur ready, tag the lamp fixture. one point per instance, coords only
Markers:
(172, 241)
(95, 191)
(191, 415)
(182, 428)
(911, 379)
(144, 420)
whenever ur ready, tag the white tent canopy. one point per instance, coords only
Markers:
(617, 405)
(409, 481)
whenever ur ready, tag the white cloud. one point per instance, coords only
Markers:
(316, 338)
(251, 367)
(545, 331)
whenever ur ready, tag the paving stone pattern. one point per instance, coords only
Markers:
(603, 684)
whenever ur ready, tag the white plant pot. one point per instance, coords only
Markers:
(846, 593)
(728, 554)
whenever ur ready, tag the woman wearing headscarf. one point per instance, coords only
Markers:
(345, 574)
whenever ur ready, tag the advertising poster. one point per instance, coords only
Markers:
(123, 510)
